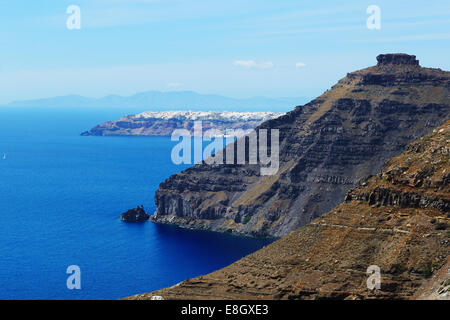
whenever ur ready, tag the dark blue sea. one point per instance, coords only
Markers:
(61, 196)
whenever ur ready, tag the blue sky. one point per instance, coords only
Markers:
(235, 48)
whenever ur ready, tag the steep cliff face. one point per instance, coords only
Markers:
(326, 147)
(408, 238)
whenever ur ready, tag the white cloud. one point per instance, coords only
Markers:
(300, 65)
(174, 84)
(244, 63)
(253, 64)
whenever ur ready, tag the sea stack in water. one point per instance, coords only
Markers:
(135, 215)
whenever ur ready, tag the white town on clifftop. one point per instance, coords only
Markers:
(207, 115)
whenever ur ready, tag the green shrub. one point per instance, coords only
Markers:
(427, 271)
(246, 219)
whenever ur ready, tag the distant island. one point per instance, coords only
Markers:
(167, 101)
(152, 123)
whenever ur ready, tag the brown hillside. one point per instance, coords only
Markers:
(397, 220)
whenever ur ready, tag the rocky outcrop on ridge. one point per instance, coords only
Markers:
(327, 147)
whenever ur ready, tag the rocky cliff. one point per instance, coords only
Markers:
(404, 230)
(153, 123)
(326, 147)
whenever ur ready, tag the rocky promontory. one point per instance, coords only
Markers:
(407, 239)
(327, 147)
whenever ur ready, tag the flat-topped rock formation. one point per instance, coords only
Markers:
(327, 147)
(397, 58)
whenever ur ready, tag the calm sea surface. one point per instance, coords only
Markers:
(61, 196)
